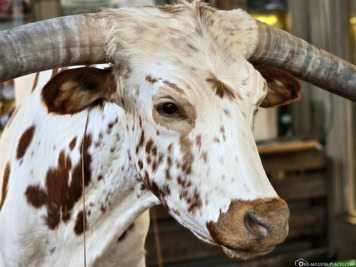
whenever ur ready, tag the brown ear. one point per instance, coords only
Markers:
(74, 90)
(283, 88)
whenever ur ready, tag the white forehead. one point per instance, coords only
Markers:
(185, 44)
(187, 35)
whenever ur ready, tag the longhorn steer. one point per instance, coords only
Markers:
(171, 122)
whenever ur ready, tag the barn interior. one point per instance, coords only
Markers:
(308, 148)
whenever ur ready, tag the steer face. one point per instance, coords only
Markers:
(194, 149)
(190, 98)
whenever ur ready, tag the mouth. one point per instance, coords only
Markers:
(246, 254)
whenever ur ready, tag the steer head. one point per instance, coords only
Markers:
(185, 76)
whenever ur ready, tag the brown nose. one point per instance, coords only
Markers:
(254, 226)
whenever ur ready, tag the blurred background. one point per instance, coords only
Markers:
(308, 148)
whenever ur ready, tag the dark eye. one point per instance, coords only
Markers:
(168, 108)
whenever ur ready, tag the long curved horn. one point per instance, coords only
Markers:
(54, 43)
(281, 49)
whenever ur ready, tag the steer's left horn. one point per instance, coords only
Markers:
(54, 43)
(280, 49)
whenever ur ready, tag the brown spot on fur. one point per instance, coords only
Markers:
(143, 187)
(192, 47)
(140, 164)
(149, 146)
(183, 194)
(174, 86)
(59, 195)
(188, 158)
(78, 227)
(154, 151)
(165, 191)
(159, 192)
(154, 167)
(150, 79)
(5, 182)
(24, 142)
(198, 141)
(72, 143)
(227, 113)
(148, 159)
(103, 209)
(111, 124)
(168, 175)
(199, 30)
(204, 156)
(142, 140)
(178, 165)
(183, 183)
(222, 130)
(160, 158)
(194, 203)
(169, 162)
(220, 88)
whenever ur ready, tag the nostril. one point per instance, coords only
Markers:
(254, 226)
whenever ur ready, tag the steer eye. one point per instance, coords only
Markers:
(168, 109)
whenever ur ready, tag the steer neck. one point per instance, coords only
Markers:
(114, 183)
(114, 197)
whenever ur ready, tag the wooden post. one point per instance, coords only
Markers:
(46, 9)
(233, 4)
(301, 110)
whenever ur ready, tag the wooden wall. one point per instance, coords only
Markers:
(325, 23)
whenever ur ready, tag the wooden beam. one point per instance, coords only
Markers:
(46, 9)
(289, 146)
(302, 187)
(302, 109)
(301, 160)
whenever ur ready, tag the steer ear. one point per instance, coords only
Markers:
(282, 87)
(74, 90)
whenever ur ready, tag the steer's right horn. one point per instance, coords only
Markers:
(54, 43)
(280, 49)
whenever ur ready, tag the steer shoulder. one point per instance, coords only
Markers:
(40, 192)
